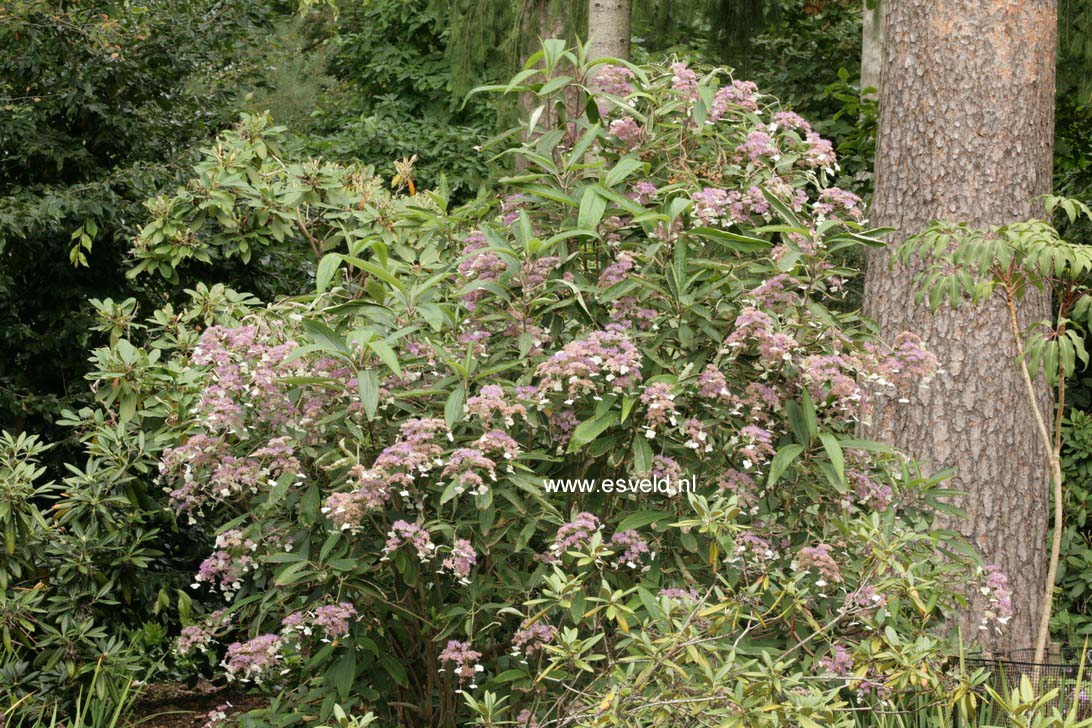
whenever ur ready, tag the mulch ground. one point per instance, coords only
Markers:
(175, 705)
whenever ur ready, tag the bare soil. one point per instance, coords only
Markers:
(176, 705)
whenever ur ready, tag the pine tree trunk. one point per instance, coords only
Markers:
(872, 44)
(609, 28)
(966, 133)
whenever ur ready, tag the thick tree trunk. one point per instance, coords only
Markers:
(872, 44)
(609, 28)
(966, 133)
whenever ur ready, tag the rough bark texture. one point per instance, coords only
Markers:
(872, 44)
(966, 133)
(609, 28)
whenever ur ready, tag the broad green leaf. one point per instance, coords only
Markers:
(453, 408)
(642, 455)
(834, 452)
(327, 267)
(386, 354)
(782, 460)
(368, 385)
(734, 241)
(622, 169)
(588, 430)
(592, 207)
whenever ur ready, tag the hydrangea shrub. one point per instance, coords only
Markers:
(656, 293)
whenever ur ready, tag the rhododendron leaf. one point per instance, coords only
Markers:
(591, 109)
(576, 293)
(377, 271)
(185, 606)
(630, 206)
(781, 461)
(1050, 360)
(525, 533)
(343, 672)
(450, 492)
(836, 481)
(606, 403)
(577, 156)
(577, 608)
(126, 410)
(1078, 344)
(500, 292)
(785, 229)
(799, 422)
(618, 290)
(553, 240)
(284, 557)
(604, 446)
(1066, 359)
(532, 120)
(679, 268)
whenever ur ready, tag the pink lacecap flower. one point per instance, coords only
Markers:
(464, 660)
(576, 533)
(532, 637)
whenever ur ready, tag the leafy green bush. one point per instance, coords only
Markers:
(1071, 621)
(100, 104)
(653, 300)
(398, 95)
(88, 564)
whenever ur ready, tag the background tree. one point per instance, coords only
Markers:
(100, 103)
(609, 28)
(970, 140)
(871, 43)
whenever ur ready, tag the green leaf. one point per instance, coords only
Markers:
(834, 452)
(326, 269)
(592, 207)
(376, 271)
(590, 429)
(782, 460)
(511, 676)
(386, 354)
(290, 574)
(621, 170)
(324, 337)
(642, 518)
(642, 455)
(368, 384)
(734, 241)
(395, 669)
(453, 408)
(344, 672)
